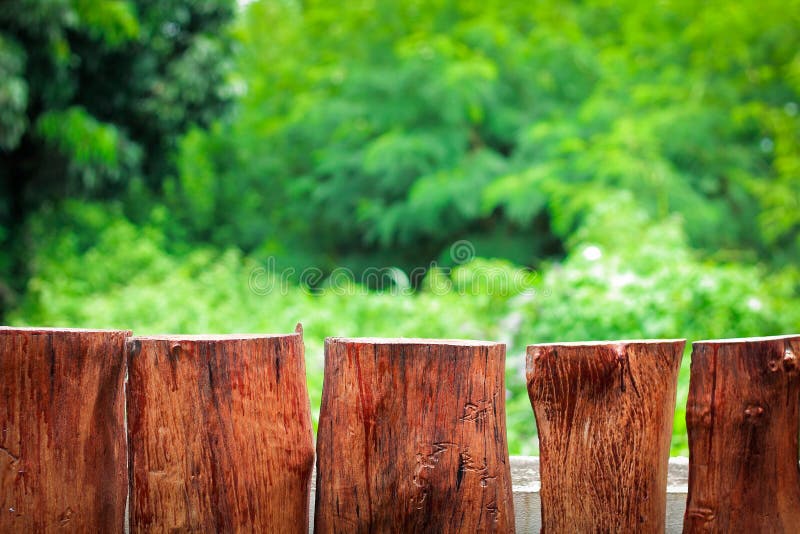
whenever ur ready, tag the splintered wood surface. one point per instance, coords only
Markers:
(412, 438)
(604, 413)
(742, 418)
(62, 434)
(220, 434)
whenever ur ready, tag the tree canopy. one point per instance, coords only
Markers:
(94, 98)
(389, 129)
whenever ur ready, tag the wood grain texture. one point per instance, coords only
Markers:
(604, 413)
(220, 434)
(742, 418)
(412, 438)
(62, 435)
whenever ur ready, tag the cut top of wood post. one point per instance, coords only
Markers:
(610, 343)
(412, 341)
(56, 330)
(604, 413)
(206, 338)
(745, 340)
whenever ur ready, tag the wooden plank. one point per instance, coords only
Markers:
(742, 418)
(62, 436)
(412, 438)
(604, 413)
(220, 433)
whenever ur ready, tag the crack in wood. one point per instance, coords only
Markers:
(14, 457)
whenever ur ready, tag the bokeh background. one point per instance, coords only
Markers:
(634, 165)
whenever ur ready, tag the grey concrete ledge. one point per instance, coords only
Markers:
(527, 504)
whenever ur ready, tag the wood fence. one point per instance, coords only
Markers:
(101, 431)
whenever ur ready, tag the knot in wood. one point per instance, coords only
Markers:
(134, 347)
(789, 360)
(699, 416)
(540, 353)
(621, 354)
(704, 514)
(754, 411)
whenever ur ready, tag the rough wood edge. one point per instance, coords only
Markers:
(399, 341)
(211, 337)
(737, 340)
(58, 330)
(603, 343)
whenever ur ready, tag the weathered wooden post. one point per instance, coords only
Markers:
(742, 417)
(412, 438)
(604, 412)
(62, 434)
(220, 433)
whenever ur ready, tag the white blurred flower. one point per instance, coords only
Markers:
(592, 253)
(754, 304)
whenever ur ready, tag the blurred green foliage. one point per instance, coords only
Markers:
(378, 129)
(94, 98)
(632, 167)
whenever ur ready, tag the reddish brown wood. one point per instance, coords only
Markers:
(220, 434)
(742, 417)
(604, 413)
(62, 435)
(412, 438)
